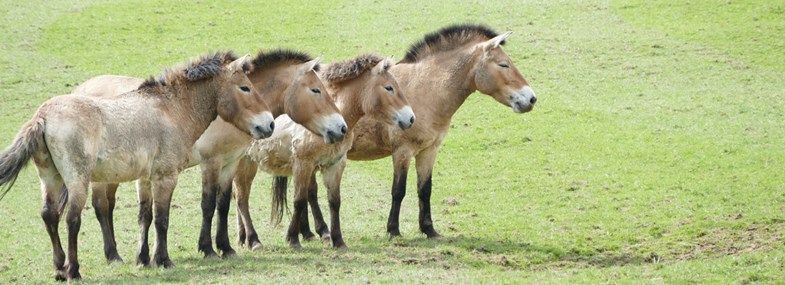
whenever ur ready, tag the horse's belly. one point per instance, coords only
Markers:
(119, 169)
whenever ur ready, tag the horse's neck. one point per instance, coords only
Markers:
(441, 84)
(199, 108)
(267, 83)
(349, 104)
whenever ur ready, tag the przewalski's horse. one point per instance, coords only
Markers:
(360, 87)
(145, 134)
(289, 85)
(437, 75)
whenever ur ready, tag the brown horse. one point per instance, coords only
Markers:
(437, 75)
(288, 83)
(359, 87)
(145, 134)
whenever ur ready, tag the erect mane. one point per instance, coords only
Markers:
(349, 69)
(447, 38)
(205, 66)
(264, 59)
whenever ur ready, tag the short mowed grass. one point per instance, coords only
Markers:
(654, 155)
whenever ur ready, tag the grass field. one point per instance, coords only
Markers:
(654, 155)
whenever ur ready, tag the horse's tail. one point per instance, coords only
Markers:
(279, 203)
(14, 158)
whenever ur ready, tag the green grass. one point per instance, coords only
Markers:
(654, 154)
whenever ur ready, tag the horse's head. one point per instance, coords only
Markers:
(385, 101)
(496, 75)
(309, 104)
(240, 104)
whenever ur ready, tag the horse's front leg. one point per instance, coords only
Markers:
(401, 159)
(318, 218)
(302, 179)
(332, 180)
(223, 204)
(210, 172)
(104, 200)
(243, 178)
(163, 187)
(424, 164)
(145, 219)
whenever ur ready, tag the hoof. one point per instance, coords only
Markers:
(256, 246)
(326, 237)
(395, 235)
(60, 275)
(73, 274)
(212, 255)
(143, 261)
(295, 246)
(227, 254)
(309, 236)
(115, 260)
(341, 246)
(431, 233)
(164, 262)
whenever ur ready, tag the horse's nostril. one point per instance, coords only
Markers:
(272, 126)
(343, 129)
(411, 121)
(258, 129)
(533, 100)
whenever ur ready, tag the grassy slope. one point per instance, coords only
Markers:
(655, 141)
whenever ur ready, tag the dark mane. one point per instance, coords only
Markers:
(203, 67)
(349, 69)
(264, 59)
(447, 38)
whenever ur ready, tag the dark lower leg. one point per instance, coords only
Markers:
(222, 227)
(104, 207)
(426, 224)
(74, 222)
(205, 244)
(305, 226)
(398, 193)
(294, 225)
(145, 218)
(318, 218)
(335, 221)
(161, 256)
(51, 221)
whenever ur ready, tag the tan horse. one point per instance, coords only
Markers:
(437, 75)
(287, 81)
(146, 134)
(360, 86)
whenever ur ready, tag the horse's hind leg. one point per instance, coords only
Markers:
(162, 198)
(145, 218)
(332, 180)
(424, 163)
(52, 188)
(103, 203)
(77, 196)
(400, 170)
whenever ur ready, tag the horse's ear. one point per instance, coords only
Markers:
(314, 64)
(388, 62)
(496, 41)
(382, 66)
(241, 64)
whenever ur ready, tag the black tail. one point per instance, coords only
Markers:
(14, 158)
(279, 203)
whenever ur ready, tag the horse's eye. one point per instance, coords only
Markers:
(315, 90)
(503, 65)
(388, 88)
(245, 89)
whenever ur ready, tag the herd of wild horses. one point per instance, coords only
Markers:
(281, 112)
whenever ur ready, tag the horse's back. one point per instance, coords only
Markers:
(108, 85)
